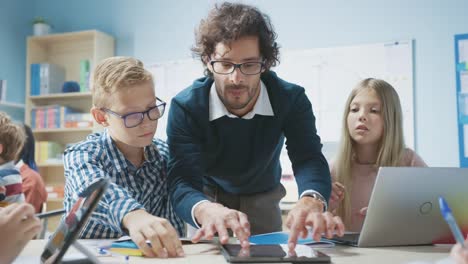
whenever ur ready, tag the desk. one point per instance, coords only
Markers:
(209, 254)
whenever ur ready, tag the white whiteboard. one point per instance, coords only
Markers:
(169, 79)
(327, 74)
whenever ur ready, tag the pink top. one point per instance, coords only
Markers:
(363, 178)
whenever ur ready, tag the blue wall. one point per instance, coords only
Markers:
(163, 30)
(15, 26)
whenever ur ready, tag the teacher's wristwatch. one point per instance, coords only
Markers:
(319, 197)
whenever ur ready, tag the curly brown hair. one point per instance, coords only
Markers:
(229, 22)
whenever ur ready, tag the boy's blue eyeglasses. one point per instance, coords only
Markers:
(135, 118)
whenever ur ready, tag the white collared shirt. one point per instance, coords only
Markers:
(261, 107)
(10, 165)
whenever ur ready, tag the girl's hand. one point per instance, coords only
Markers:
(460, 254)
(337, 195)
(363, 211)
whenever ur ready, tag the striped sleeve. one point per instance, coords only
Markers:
(11, 180)
(163, 150)
(169, 212)
(175, 220)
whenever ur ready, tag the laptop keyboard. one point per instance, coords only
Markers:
(347, 239)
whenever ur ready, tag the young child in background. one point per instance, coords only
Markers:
(137, 200)
(372, 137)
(33, 184)
(12, 139)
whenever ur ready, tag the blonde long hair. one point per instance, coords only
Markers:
(392, 144)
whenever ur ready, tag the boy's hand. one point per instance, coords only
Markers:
(215, 218)
(164, 240)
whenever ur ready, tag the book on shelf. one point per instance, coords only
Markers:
(84, 75)
(79, 120)
(57, 116)
(48, 152)
(55, 191)
(46, 78)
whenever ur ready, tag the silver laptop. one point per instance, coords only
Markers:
(404, 210)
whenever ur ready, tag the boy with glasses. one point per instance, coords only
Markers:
(136, 202)
(226, 132)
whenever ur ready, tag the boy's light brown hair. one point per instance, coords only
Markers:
(12, 138)
(115, 74)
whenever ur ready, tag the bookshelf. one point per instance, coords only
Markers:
(67, 50)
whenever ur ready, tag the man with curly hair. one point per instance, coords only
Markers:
(226, 131)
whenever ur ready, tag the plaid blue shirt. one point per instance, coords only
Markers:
(130, 189)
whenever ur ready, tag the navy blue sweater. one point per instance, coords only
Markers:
(237, 155)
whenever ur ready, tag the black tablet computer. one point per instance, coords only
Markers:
(72, 224)
(273, 253)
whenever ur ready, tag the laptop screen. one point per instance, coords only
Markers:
(71, 225)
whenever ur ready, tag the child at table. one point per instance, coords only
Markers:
(372, 137)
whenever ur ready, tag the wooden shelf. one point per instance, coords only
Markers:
(12, 105)
(55, 200)
(51, 165)
(61, 96)
(79, 101)
(62, 135)
(67, 50)
(62, 130)
(61, 37)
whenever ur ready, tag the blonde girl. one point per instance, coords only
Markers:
(372, 137)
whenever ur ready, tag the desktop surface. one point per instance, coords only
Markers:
(210, 254)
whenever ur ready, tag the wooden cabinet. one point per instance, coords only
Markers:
(66, 50)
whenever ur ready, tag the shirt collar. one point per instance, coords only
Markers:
(116, 156)
(261, 107)
(8, 166)
(19, 164)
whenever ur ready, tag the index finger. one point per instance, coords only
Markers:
(244, 222)
(318, 223)
(339, 185)
(235, 225)
(221, 229)
(21, 212)
(8, 209)
(339, 225)
(170, 240)
(140, 241)
(294, 234)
